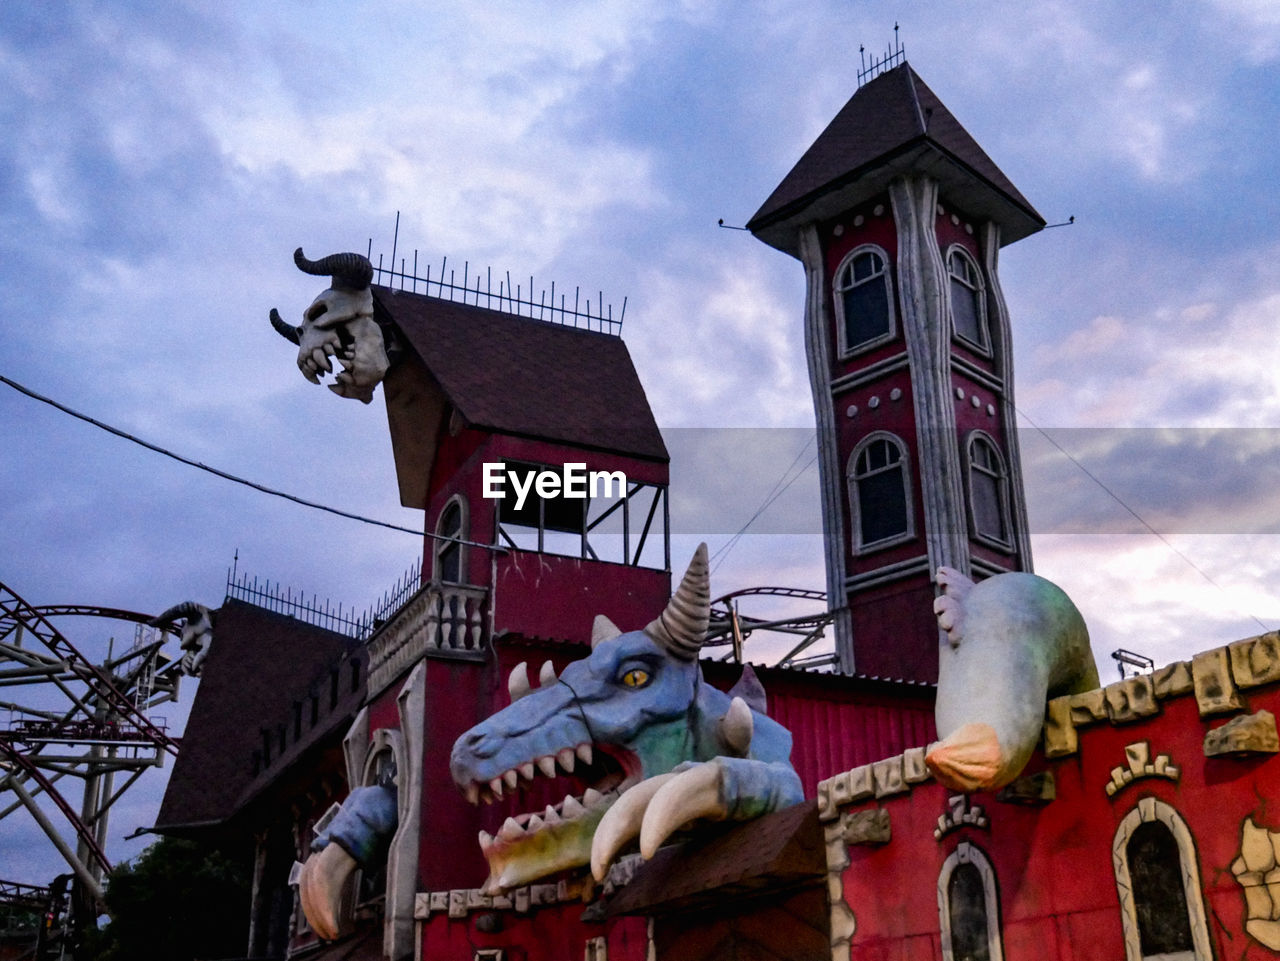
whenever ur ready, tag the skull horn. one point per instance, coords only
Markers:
(188, 609)
(349, 271)
(285, 329)
(682, 627)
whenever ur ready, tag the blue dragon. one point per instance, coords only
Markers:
(657, 746)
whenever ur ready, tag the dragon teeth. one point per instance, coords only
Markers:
(486, 840)
(566, 758)
(535, 824)
(592, 798)
(473, 793)
(584, 752)
(526, 770)
(510, 830)
(511, 778)
(550, 815)
(571, 808)
(547, 765)
(496, 787)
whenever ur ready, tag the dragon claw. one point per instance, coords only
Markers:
(322, 886)
(622, 822)
(692, 794)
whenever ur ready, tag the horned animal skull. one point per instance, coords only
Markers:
(339, 324)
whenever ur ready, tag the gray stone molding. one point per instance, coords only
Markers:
(923, 289)
(830, 474)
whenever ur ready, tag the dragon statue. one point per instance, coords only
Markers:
(650, 746)
(196, 635)
(339, 324)
(657, 746)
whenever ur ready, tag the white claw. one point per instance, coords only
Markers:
(526, 770)
(496, 787)
(566, 756)
(584, 752)
(511, 778)
(510, 830)
(518, 681)
(547, 675)
(691, 795)
(547, 765)
(622, 822)
(320, 888)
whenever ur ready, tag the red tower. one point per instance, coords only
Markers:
(898, 217)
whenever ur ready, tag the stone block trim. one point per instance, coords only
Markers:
(893, 775)
(460, 902)
(961, 812)
(1256, 871)
(1216, 679)
(1139, 764)
(1249, 734)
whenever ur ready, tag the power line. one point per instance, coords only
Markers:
(778, 490)
(1133, 513)
(211, 470)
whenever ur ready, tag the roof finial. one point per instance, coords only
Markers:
(891, 58)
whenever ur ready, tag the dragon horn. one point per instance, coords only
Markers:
(285, 329)
(188, 609)
(682, 627)
(349, 271)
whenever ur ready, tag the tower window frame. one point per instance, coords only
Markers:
(450, 557)
(849, 277)
(875, 458)
(968, 857)
(1148, 811)
(987, 480)
(966, 285)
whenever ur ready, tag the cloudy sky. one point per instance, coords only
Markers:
(162, 160)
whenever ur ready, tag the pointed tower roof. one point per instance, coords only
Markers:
(893, 124)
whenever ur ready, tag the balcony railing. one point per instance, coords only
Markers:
(445, 620)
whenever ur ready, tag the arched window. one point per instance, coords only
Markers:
(879, 491)
(969, 907)
(968, 299)
(988, 491)
(864, 299)
(448, 554)
(1158, 882)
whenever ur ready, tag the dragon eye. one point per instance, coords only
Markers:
(635, 678)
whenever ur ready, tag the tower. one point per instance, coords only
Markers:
(898, 217)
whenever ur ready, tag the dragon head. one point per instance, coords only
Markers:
(623, 714)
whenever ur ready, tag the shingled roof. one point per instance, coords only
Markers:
(509, 374)
(892, 125)
(259, 664)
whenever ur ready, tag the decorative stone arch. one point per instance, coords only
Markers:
(987, 484)
(968, 863)
(450, 557)
(865, 277)
(967, 299)
(363, 753)
(863, 470)
(1196, 946)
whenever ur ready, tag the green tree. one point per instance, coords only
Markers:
(178, 901)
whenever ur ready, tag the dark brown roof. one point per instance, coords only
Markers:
(259, 664)
(528, 377)
(893, 124)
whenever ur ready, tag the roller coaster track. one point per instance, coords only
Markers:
(76, 702)
(14, 611)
